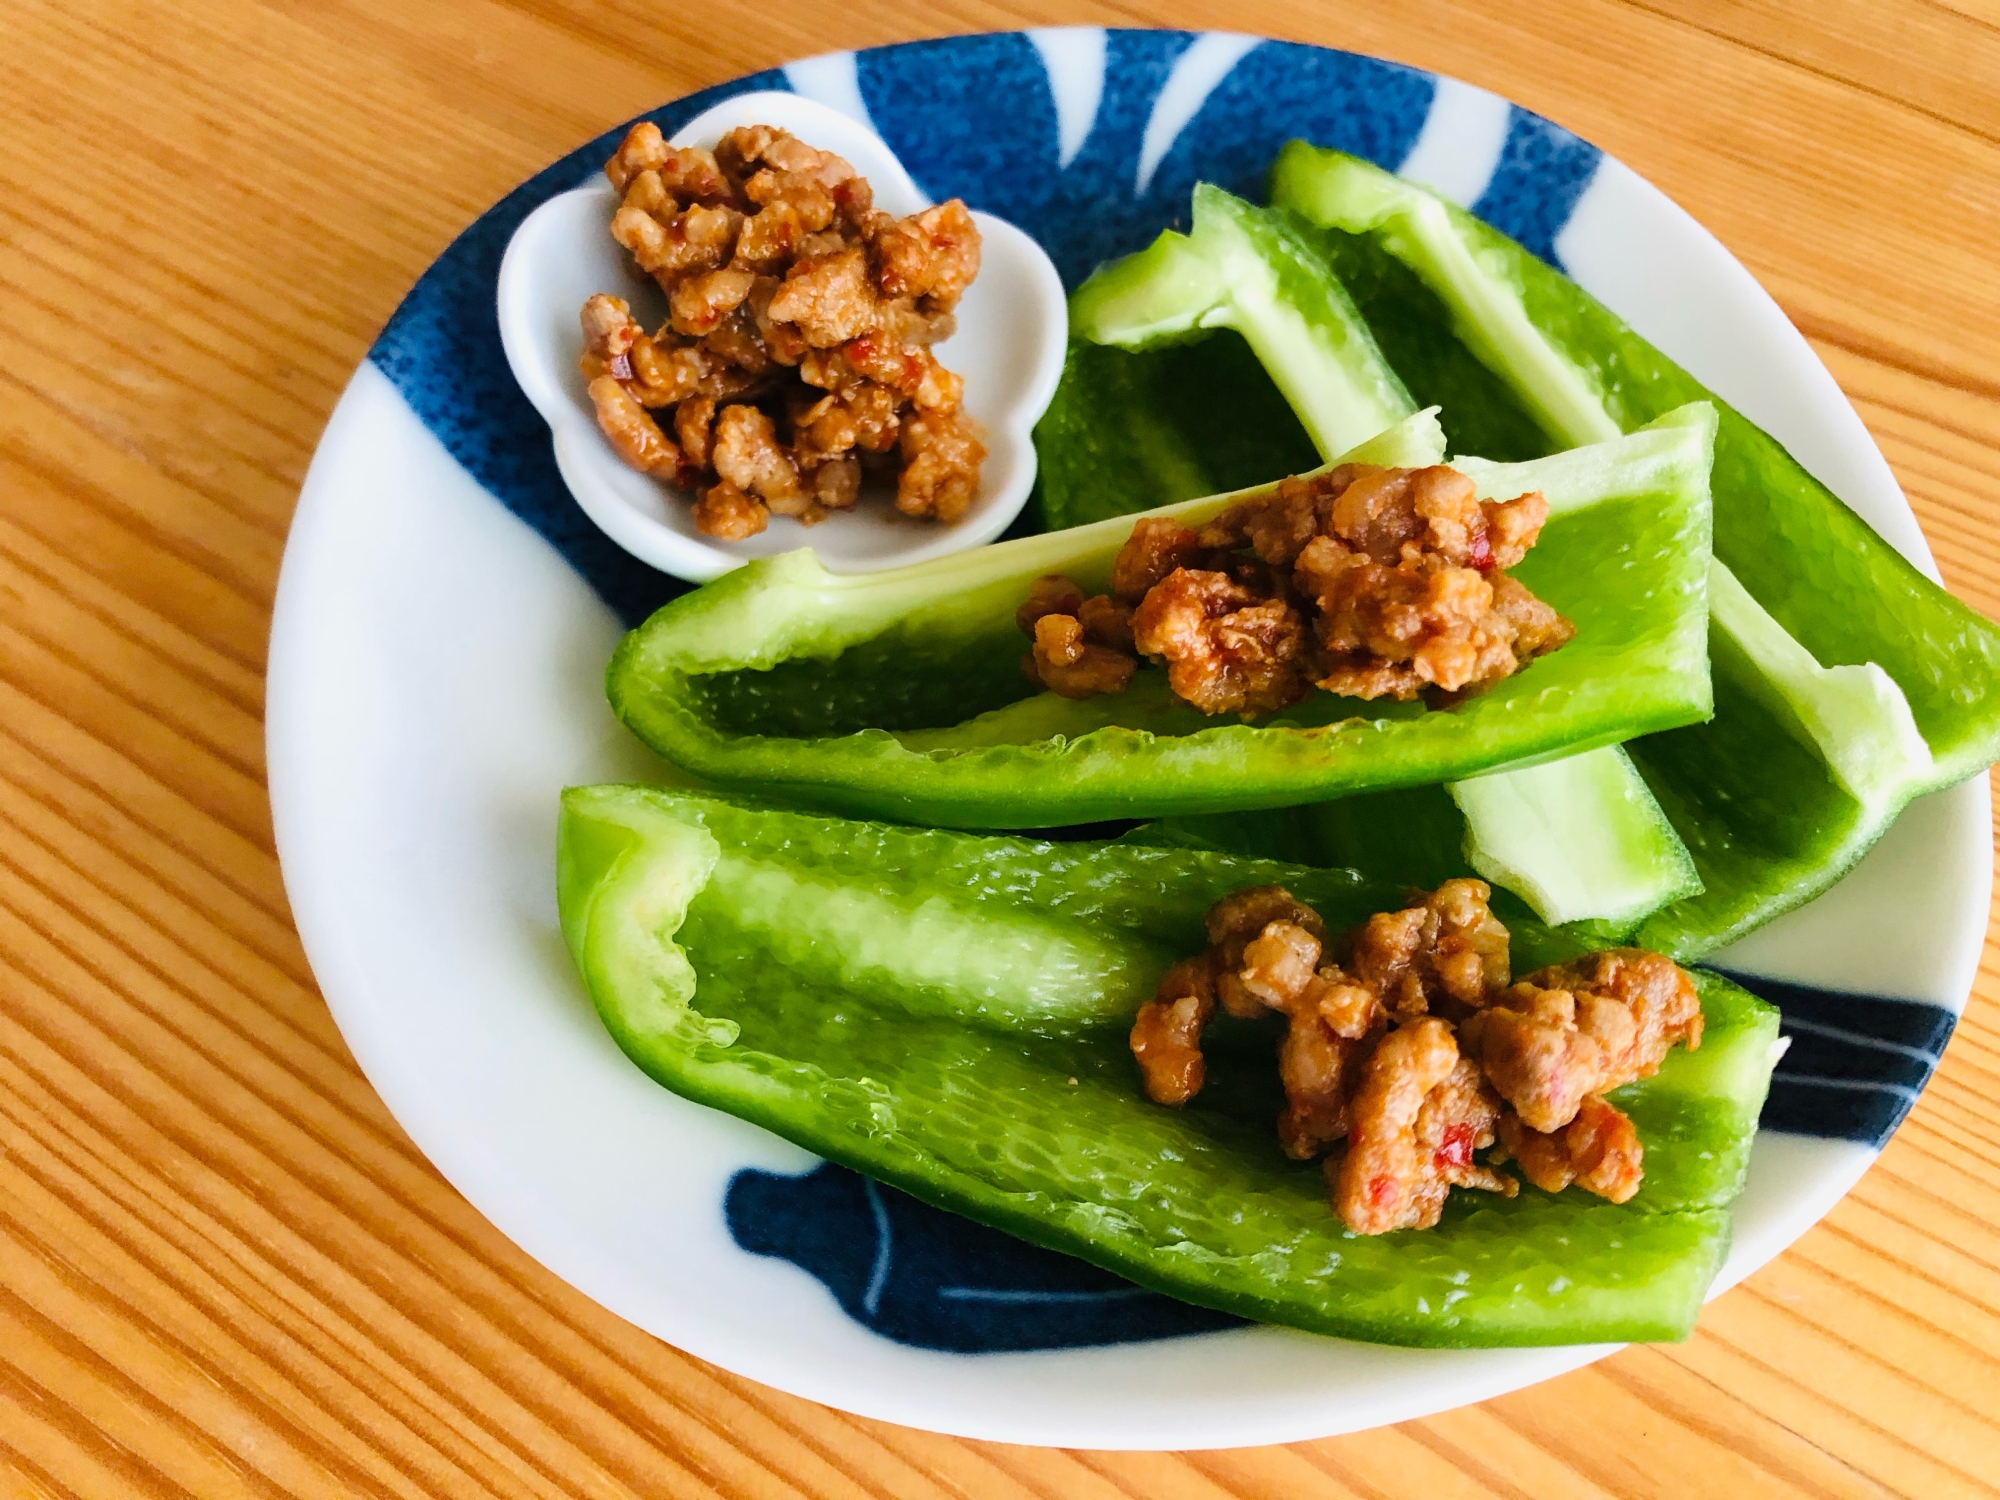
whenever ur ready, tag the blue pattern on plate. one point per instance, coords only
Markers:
(976, 117)
(922, 1276)
(998, 150)
(1543, 170)
(1091, 214)
(1856, 1062)
(1283, 91)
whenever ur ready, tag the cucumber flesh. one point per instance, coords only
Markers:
(1578, 839)
(1854, 717)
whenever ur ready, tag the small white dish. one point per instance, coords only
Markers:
(1013, 326)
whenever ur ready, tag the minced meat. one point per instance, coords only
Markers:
(1406, 1049)
(1598, 1150)
(796, 353)
(1583, 1028)
(1420, 1111)
(1366, 582)
(1166, 1039)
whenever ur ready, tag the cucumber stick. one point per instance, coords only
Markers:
(1855, 717)
(1246, 268)
(1416, 227)
(1622, 859)
(899, 694)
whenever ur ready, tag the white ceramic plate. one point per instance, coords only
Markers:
(435, 680)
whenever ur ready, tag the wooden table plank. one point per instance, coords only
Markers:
(223, 1268)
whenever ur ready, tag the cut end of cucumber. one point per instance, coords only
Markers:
(1416, 442)
(1855, 716)
(627, 870)
(1331, 188)
(1157, 296)
(1579, 839)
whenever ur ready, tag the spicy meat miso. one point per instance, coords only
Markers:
(1367, 582)
(796, 356)
(1407, 1050)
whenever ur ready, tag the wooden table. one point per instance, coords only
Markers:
(223, 1269)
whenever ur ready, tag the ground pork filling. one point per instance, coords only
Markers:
(795, 358)
(1407, 1050)
(1367, 582)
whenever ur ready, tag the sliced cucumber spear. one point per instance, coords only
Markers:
(1855, 717)
(1767, 834)
(1621, 858)
(1578, 838)
(983, 1080)
(1416, 226)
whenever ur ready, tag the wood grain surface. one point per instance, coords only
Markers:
(224, 1271)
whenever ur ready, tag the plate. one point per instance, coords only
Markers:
(442, 622)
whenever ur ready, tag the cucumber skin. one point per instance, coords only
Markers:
(982, 1118)
(1131, 431)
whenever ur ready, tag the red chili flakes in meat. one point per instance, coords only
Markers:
(1226, 648)
(781, 277)
(1444, 949)
(1401, 575)
(1414, 1094)
(1406, 1052)
(930, 257)
(1455, 1147)
(1365, 581)
(1598, 1151)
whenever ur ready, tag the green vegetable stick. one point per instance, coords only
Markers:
(1810, 755)
(1418, 228)
(1855, 717)
(948, 1012)
(899, 694)
(1246, 269)
(1617, 857)
(1514, 818)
